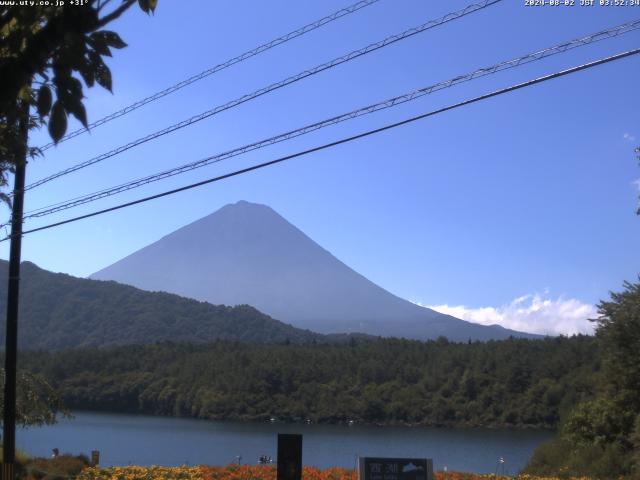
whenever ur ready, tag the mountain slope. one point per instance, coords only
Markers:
(248, 254)
(59, 311)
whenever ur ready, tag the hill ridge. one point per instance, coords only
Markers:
(59, 311)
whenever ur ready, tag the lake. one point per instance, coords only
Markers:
(148, 440)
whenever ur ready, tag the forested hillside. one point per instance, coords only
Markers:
(58, 311)
(515, 382)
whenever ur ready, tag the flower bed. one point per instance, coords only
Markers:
(258, 472)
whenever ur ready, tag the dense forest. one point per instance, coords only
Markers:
(59, 311)
(517, 382)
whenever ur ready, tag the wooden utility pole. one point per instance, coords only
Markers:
(11, 349)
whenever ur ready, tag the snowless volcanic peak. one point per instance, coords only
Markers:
(246, 253)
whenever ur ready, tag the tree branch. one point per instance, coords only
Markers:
(116, 13)
(102, 4)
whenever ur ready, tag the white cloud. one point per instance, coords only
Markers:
(533, 313)
(637, 183)
(629, 137)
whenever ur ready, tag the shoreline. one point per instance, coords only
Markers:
(266, 421)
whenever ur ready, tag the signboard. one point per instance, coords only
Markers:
(289, 457)
(370, 468)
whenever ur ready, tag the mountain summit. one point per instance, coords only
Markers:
(246, 253)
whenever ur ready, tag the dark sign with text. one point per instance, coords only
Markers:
(370, 468)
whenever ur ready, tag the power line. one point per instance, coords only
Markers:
(274, 86)
(391, 102)
(343, 140)
(221, 66)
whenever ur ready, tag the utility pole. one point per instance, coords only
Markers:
(11, 349)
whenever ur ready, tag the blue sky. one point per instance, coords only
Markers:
(518, 210)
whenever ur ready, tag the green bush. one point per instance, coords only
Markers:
(560, 457)
(21, 460)
(56, 468)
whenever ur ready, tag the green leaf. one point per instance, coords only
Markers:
(148, 6)
(144, 5)
(57, 122)
(112, 39)
(25, 93)
(99, 44)
(44, 101)
(88, 68)
(76, 108)
(68, 86)
(87, 74)
(103, 76)
(74, 87)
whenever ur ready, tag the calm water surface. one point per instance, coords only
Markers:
(147, 440)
